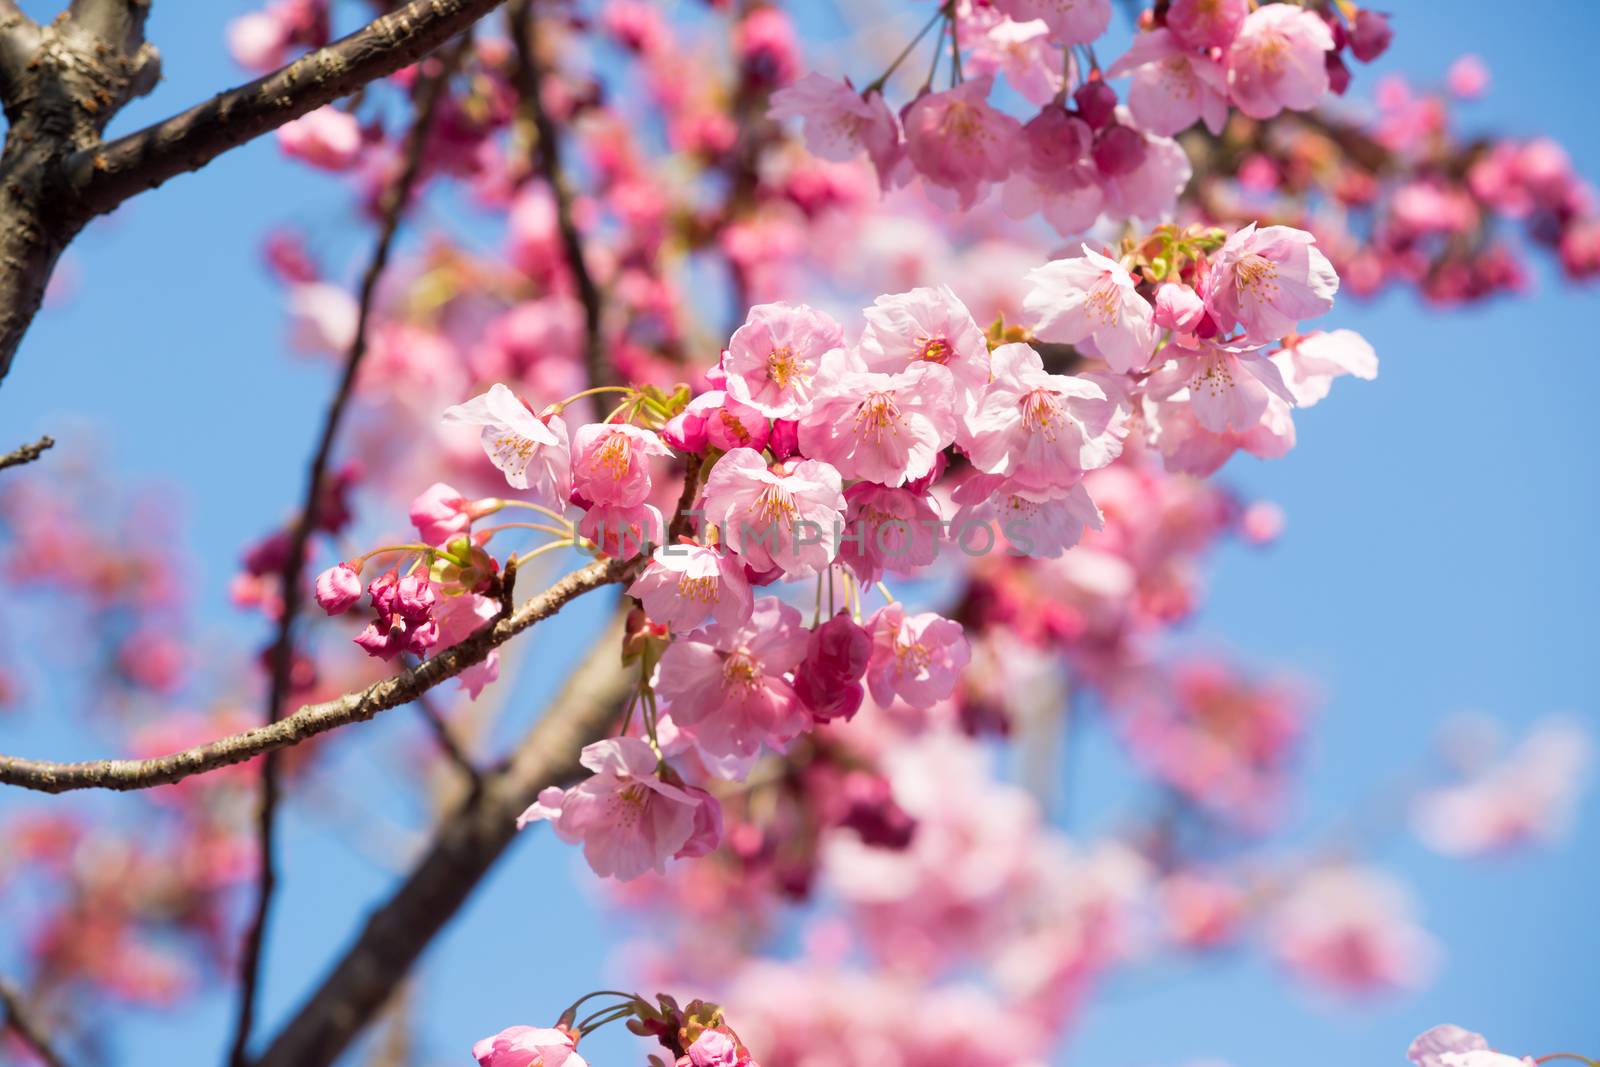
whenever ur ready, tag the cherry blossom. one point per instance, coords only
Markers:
(885, 428)
(1092, 298)
(774, 357)
(929, 325)
(686, 586)
(1277, 61)
(1172, 87)
(914, 657)
(1268, 281)
(611, 463)
(783, 517)
(528, 1046)
(520, 443)
(960, 144)
(841, 123)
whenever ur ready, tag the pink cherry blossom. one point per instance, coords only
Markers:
(841, 123)
(1310, 363)
(713, 1048)
(885, 428)
(1070, 21)
(1024, 53)
(1172, 87)
(528, 1046)
(1179, 307)
(338, 588)
(1268, 281)
(1054, 174)
(322, 318)
(776, 518)
(917, 658)
(1229, 388)
(1151, 189)
(258, 41)
(1188, 447)
(1037, 523)
(887, 530)
(1453, 1046)
(459, 616)
(611, 463)
(627, 817)
(1350, 929)
(928, 325)
(531, 452)
(725, 686)
(958, 142)
(326, 138)
(1207, 23)
(828, 680)
(439, 513)
(623, 531)
(686, 586)
(1277, 61)
(1041, 430)
(1092, 298)
(405, 621)
(773, 359)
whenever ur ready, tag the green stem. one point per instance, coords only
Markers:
(876, 86)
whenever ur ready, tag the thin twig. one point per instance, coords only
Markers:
(446, 738)
(397, 198)
(19, 1017)
(529, 75)
(27, 453)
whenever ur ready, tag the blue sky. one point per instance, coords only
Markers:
(1438, 558)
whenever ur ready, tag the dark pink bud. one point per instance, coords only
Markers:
(1097, 102)
(1338, 73)
(338, 588)
(707, 833)
(1056, 139)
(871, 811)
(1119, 150)
(736, 425)
(1370, 35)
(439, 513)
(784, 441)
(828, 680)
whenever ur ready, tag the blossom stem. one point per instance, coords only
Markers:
(561, 405)
(492, 530)
(1565, 1056)
(883, 79)
(360, 562)
(956, 77)
(887, 596)
(542, 549)
(540, 508)
(605, 1016)
(938, 53)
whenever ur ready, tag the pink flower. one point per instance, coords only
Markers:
(338, 588)
(958, 142)
(887, 530)
(527, 1046)
(1172, 87)
(623, 531)
(828, 680)
(439, 513)
(1468, 77)
(884, 428)
(1023, 52)
(917, 658)
(714, 1048)
(726, 687)
(707, 832)
(841, 123)
(1268, 281)
(1150, 190)
(927, 326)
(1351, 930)
(1277, 61)
(322, 318)
(1453, 1046)
(1041, 430)
(405, 620)
(1070, 21)
(460, 616)
(258, 41)
(1229, 388)
(1055, 175)
(1038, 523)
(773, 358)
(611, 464)
(326, 138)
(1309, 364)
(519, 443)
(1188, 447)
(1092, 298)
(686, 586)
(1207, 23)
(776, 518)
(628, 819)
(1178, 307)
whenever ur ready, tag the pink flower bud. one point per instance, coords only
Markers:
(338, 588)
(1338, 73)
(707, 833)
(1097, 102)
(1119, 150)
(1370, 35)
(439, 513)
(784, 441)
(828, 680)
(1178, 307)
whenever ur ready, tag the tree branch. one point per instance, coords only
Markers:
(19, 1017)
(395, 200)
(313, 719)
(27, 453)
(528, 76)
(465, 847)
(105, 175)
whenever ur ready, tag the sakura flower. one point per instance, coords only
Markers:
(1453, 1046)
(627, 817)
(828, 680)
(928, 325)
(1229, 388)
(1055, 175)
(405, 620)
(439, 513)
(322, 318)
(726, 687)
(686, 586)
(518, 442)
(840, 123)
(528, 1046)
(1178, 307)
(623, 531)
(338, 588)
(773, 358)
(1207, 23)
(1023, 52)
(459, 617)
(1187, 446)
(776, 518)
(714, 1048)
(611, 463)
(1092, 298)
(326, 138)
(1150, 190)
(1037, 523)
(885, 428)
(1309, 364)
(1351, 929)
(887, 530)
(958, 142)
(1172, 86)
(1268, 281)
(1070, 21)
(1277, 61)
(1041, 430)
(917, 658)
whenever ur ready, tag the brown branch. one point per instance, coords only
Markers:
(395, 200)
(313, 719)
(105, 175)
(465, 847)
(18, 1016)
(528, 76)
(27, 453)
